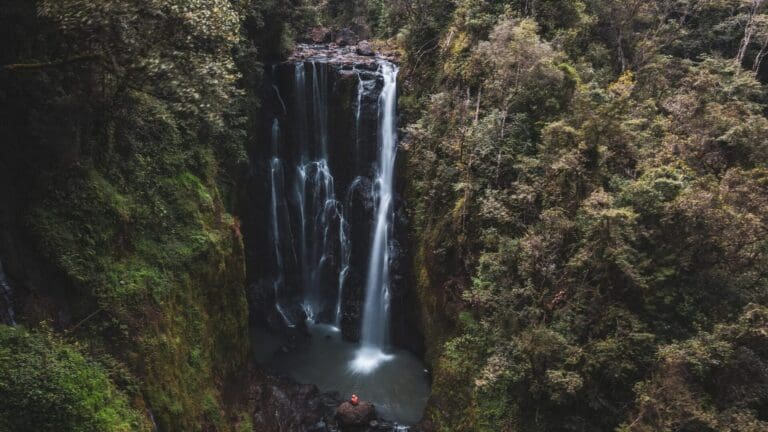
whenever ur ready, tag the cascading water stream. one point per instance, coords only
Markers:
(358, 110)
(280, 98)
(345, 251)
(301, 174)
(318, 209)
(322, 210)
(343, 225)
(277, 198)
(320, 102)
(376, 306)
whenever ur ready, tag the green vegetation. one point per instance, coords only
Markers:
(127, 130)
(589, 188)
(46, 384)
(153, 246)
(588, 184)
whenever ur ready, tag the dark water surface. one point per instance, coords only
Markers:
(395, 381)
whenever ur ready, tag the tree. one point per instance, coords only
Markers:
(753, 19)
(518, 65)
(179, 51)
(715, 381)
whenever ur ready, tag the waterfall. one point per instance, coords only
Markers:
(300, 183)
(330, 118)
(346, 251)
(320, 105)
(358, 109)
(6, 316)
(277, 198)
(280, 98)
(300, 103)
(325, 238)
(323, 211)
(376, 306)
(320, 213)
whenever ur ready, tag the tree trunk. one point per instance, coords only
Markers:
(477, 107)
(760, 56)
(749, 31)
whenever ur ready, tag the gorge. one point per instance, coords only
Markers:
(475, 215)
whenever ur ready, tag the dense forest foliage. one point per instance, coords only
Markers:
(587, 190)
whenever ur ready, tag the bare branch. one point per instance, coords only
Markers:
(48, 65)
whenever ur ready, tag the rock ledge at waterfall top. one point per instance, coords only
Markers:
(347, 56)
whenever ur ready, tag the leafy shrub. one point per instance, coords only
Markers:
(47, 385)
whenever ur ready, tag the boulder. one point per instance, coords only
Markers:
(349, 415)
(346, 37)
(364, 49)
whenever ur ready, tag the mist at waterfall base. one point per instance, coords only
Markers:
(330, 207)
